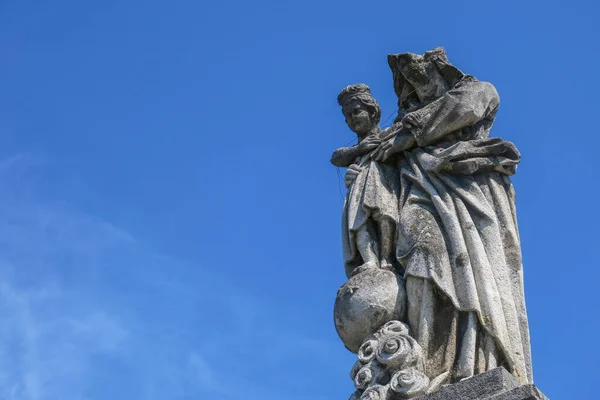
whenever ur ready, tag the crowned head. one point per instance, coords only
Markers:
(360, 109)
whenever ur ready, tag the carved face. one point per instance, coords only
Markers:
(358, 117)
(425, 80)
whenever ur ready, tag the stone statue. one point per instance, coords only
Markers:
(430, 237)
(371, 208)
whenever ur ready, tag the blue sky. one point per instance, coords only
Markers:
(169, 219)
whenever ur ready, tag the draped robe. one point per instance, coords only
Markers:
(457, 238)
(372, 197)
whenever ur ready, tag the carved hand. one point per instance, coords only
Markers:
(351, 174)
(382, 149)
(404, 141)
(369, 143)
(411, 120)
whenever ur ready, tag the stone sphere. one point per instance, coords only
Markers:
(366, 302)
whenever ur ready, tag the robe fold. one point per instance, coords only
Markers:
(372, 197)
(457, 238)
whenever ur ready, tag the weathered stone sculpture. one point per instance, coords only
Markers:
(430, 235)
(390, 363)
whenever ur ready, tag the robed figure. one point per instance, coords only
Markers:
(456, 236)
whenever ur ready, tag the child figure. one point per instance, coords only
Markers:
(371, 206)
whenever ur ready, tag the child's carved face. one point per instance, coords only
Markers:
(358, 117)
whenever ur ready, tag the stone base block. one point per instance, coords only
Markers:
(497, 384)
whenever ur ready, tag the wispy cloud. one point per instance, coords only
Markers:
(49, 332)
(86, 308)
(48, 341)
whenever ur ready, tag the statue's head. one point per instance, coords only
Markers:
(360, 109)
(420, 79)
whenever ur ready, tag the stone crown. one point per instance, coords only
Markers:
(353, 91)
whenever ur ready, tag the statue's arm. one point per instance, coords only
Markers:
(344, 156)
(460, 107)
(396, 140)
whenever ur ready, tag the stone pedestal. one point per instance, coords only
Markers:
(496, 384)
